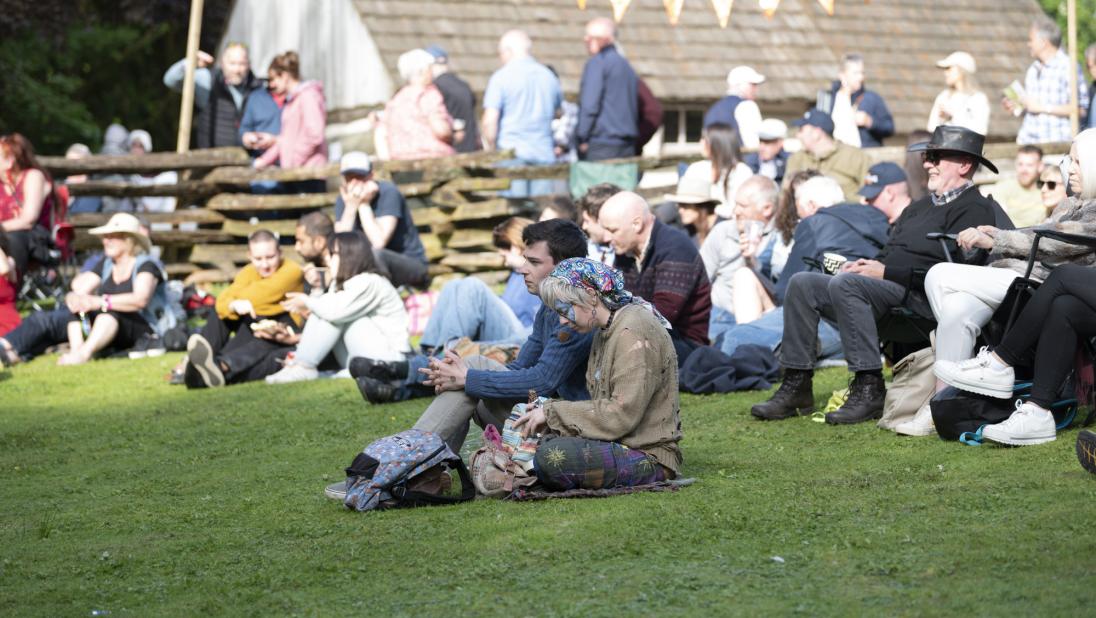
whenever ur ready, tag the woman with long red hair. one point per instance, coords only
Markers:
(26, 196)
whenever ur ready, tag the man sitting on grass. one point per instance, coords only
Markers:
(251, 309)
(552, 361)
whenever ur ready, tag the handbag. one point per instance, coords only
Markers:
(494, 472)
(913, 386)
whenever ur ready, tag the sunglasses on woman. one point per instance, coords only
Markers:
(1049, 184)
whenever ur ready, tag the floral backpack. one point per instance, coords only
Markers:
(408, 469)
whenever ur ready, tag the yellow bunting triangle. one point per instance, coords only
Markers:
(827, 5)
(619, 7)
(673, 10)
(723, 11)
(582, 5)
(768, 7)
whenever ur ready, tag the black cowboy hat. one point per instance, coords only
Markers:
(948, 138)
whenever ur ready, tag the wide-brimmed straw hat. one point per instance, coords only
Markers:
(123, 223)
(949, 138)
(692, 189)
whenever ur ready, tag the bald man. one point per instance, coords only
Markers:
(608, 108)
(661, 264)
(220, 94)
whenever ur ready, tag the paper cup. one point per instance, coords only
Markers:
(832, 262)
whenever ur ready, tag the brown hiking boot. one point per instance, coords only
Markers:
(794, 397)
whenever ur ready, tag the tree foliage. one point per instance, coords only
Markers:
(1086, 21)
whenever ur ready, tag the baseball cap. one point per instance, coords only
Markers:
(960, 59)
(744, 75)
(771, 129)
(816, 118)
(356, 162)
(438, 52)
(879, 176)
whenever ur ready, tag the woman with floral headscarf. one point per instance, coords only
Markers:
(627, 433)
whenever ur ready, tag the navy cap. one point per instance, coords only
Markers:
(816, 118)
(879, 176)
(438, 52)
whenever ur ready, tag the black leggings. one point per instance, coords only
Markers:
(1062, 311)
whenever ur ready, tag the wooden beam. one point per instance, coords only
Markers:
(433, 246)
(473, 160)
(487, 209)
(86, 241)
(188, 215)
(241, 176)
(470, 262)
(186, 106)
(227, 202)
(154, 162)
(189, 188)
(471, 239)
(480, 183)
(232, 254)
(285, 228)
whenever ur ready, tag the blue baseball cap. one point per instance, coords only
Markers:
(438, 52)
(879, 176)
(816, 118)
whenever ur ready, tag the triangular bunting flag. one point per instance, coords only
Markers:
(673, 10)
(582, 5)
(827, 5)
(619, 7)
(723, 11)
(768, 7)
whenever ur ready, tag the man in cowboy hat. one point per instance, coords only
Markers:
(865, 290)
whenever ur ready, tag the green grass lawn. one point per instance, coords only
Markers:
(124, 494)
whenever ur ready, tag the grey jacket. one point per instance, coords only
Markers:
(1073, 215)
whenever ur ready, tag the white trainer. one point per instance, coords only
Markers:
(977, 375)
(1028, 425)
(293, 373)
(920, 425)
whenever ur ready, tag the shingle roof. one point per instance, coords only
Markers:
(798, 49)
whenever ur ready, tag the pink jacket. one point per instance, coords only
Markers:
(301, 142)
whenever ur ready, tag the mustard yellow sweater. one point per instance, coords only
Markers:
(264, 294)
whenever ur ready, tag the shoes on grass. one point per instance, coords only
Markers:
(1028, 425)
(1086, 450)
(977, 375)
(920, 425)
(293, 373)
(200, 356)
(149, 346)
(375, 391)
(336, 491)
(361, 366)
(794, 397)
(867, 394)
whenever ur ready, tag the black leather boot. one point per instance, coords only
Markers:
(865, 402)
(794, 396)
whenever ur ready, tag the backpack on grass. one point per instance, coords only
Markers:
(408, 469)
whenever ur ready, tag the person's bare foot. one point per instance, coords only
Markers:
(8, 357)
(71, 358)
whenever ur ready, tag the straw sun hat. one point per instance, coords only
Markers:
(123, 223)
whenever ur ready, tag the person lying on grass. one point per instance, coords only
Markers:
(628, 432)
(247, 336)
(360, 315)
(115, 302)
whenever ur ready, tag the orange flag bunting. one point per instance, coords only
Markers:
(619, 7)
(723, 11)
(827, 5)
(768, 7)
(673, 10)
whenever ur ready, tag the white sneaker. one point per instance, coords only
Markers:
(293, 373)
(920, 425)
(977, 375)
(1028, 425)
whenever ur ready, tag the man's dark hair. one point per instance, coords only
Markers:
(317, 224)
(564, 207)
(262, 235)
(565, 239)
(1030, 149)
(595, 196)
(355, 255)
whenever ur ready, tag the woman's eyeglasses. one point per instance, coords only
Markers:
(1049, 184)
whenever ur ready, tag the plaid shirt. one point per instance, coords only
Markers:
(1049, 85)
(948, 196)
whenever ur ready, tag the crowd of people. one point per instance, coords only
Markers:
(610, 299)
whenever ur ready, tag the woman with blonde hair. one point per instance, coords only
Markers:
(961, 103)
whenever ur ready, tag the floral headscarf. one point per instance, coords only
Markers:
(606, 281)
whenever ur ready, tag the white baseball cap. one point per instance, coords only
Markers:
(356, 162)
(960, 59)
(744, 75)
(772, 128)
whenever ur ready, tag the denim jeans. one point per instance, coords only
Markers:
(468, 308)
(719, 322)
(854, 302)
(768, 331)
(40, 330)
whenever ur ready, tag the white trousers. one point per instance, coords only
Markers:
(963, 299)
